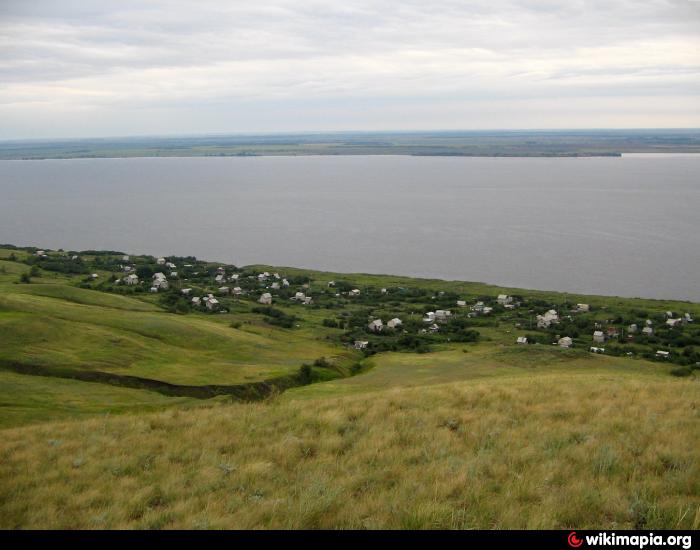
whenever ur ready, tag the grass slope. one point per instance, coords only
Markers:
(554, 451)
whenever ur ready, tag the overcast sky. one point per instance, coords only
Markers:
(98, 68)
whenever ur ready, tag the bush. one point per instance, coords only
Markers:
(681, 371)
(25, 278)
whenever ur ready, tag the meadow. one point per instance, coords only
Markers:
(480, 433)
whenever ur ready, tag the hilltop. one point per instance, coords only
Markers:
(278, 400)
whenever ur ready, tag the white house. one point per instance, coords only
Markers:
(548, 319)
(331, 283)
(94, 276)
(632, 328)
(173, 274)
(648, 331)
(131, 279)
(275, 286)
(125, 258)
(599, 337)
(154, 289)
(504, 299)
(674, 322)
(429, 317)
(220, 278)
(522, 340)
(160, 261)
(663, 354)
(376, 325)
(212, 304)
(224, 290)
(583, 308)
(434, 328)
(40, 253)
(170, 265)
(285, 282)
(461, 303)
(441, 315)
(384, 291)
(237, 291)
(688, 318)
(186, 291)
(266, 298)
(361, 344)
(565, 342)
(394, 323)
(299, 297)
(307, 300)
(354, 292)
(196, 301)
(597, 350)
(159, 276)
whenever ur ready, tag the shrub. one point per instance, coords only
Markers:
(681, 371)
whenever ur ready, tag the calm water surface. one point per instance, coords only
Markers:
(625, 226)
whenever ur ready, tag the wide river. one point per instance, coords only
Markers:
(625, 226)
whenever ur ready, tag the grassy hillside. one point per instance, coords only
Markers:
(553, 451)
(122, 407)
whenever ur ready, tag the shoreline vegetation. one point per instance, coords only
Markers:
(561, 143)
(173, 392)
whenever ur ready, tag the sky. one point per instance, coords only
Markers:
(119, 68)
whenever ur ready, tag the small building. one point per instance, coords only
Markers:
(599, 337)
(125, 258)
(565, 342)
(266, 298)
(434, 328)
(275, 286)
(220, 278)
(307, 300)
(394, 323)
(376, 325)
(40, 253)
(522, 340)
(633, 328)
(504, 299)
(94, 276)
(154, 289)
(583, 308)
(663, 354)
(285, 282)
(461, 303)
(687, 317)
(212, 304)
(233, 277)
(237, 291)
(361, 344)
(354, 292)
(196, 301)
(597, 350)
(441, 315)
(384, 291)
(224, 290)
(429, 317)
(170, 265)
(186, 291)
(612, 332)
(299, 297)
(331, 283)
(648, 331)
(160, 261)
(173, 274)
(131, 280)
(672, 323)
(549, 318)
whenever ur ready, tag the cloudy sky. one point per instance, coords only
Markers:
(98, 68)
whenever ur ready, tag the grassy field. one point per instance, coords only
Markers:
(473, 434)
(552, 451)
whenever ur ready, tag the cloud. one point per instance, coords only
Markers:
(135, 68)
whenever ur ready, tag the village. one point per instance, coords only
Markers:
(373, 319)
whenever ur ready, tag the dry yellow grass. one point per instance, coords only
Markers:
(551, 451)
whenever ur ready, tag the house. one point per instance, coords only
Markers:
(648, 331)
(263, 276)
(125, 258)
(597, 350)
(159, 276)
(549, 318)
(170, 265)
(233, 277)
(131, 280)
(94, 276)
(674, 322)
(224, 290)
(632, 328)
(173, 274)
(688, 318)
(522, 340)
(221, 269)
(429, 317)
(384, 291)
(487, 310)
(154, 289)
(669, 314)
(649, 322)
(394, 323)
(478, 307)
(160, 261)
(285, 282)
(220, 278)
(461, 303)
(354, 292)
(361, 344)
(299, 297)
(504, 299)
(275, 286)
(663, 354)
(612, 332)
(196, 301)
(583, 308)
(441, 315)
(599, 337)
(307, 300)
(40, 253)
(433, 328)
(186, 291)
(331, 283)
(212, 304)
(237, 291)
(266, 298)
(376, 325)
(276, 276)
(128, 268)
(565, 342)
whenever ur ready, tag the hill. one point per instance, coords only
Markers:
(129, 405)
